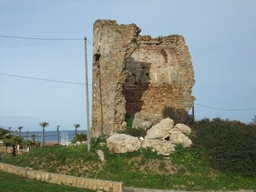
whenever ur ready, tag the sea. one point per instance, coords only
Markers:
(52, 136)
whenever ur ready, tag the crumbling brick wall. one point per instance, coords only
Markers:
(133, 73)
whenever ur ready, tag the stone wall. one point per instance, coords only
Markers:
(80, 182)
(9, 150)
(133, 73)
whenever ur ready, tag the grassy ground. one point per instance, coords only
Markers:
(11, 182)
(187, 169)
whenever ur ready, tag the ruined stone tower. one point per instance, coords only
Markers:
(133, 73)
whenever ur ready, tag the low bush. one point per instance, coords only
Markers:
(231, 145)
(136, 132)
(178, 115)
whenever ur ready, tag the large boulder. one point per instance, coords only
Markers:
(182, 128)
(161, 146)
(159, 130)
(162, 138)
(145, 120)
(122, 143)
(177, 137)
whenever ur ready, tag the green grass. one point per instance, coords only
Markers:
(142, 169)
(187, 169)
(11, 182)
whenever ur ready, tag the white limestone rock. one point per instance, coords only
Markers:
(177, 137)
(182, 128)
(145, 120)
(161, 146)
(122, 143)
(101, 155)
(159, 130)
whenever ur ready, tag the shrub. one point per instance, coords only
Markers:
(79, 137)
(178, 115)
(129, 121)
(231, 145)
(136, 132)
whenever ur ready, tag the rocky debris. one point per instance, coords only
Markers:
(177, 137)
(102, 144)
(101, 155)
(182, 128)
(161, 146)
(159, 130)
(162, 138)
(141, 123)
(122, 143)
(145, 120)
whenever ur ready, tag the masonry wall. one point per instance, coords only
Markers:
(80, 182)
(133, 73)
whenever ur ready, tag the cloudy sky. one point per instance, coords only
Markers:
(42, 73)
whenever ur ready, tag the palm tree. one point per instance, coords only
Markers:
(58, 134)
(33, 137)
(9, 129)
(7, 141)
(17, 140)
(16, 132)
(43, 125)
(27, 134)
(76, 127)
(20, 127)
(79, 137)
(29, 143)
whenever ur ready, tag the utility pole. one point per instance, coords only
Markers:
(193, 112)
(58, 134)
(87, 96)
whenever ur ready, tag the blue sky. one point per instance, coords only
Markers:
(221, 36)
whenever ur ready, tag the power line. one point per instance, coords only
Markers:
(45, 39)
(41, 39)
(89, 42)
(76, 83)
(225, 109)
(67, 82)
(41, 79)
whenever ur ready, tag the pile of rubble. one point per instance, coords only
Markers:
(161, 137)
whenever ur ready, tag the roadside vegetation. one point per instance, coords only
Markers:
(223, 157)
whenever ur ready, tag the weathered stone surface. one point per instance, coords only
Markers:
(177, 137)
(141, 123)
(101, 155)
(146, 125)
(122, 143)
(145, 120)
(153, 118)
(111, 49)
(182, 128)
(159, 130)
(161, 146)
(133, 73)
